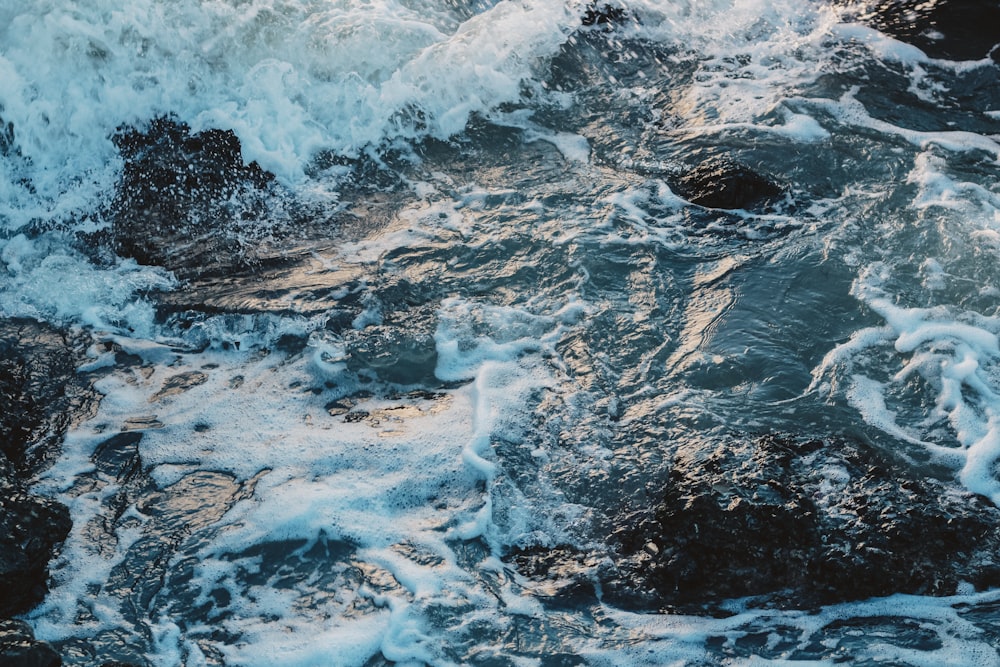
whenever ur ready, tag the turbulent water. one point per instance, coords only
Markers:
(498, 332)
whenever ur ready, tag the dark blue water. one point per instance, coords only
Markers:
(476, 311)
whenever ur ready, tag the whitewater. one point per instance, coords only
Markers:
(473, 315)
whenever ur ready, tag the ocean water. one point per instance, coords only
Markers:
(500, 335)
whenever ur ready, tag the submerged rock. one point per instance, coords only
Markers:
(801, 522)
(394, 354)
(724, 183)
(184, 197)
(19, 648)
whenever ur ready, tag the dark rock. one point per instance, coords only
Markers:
(19, 648)
(30, 529)
(724, 183)
(952, 29)
(40, 396)
(566, 577)
(178, 384)
(800, 523)
(7, 145)
(183, 197)
(118, 456)
(601, 14)
(828, 520)
(40, 392)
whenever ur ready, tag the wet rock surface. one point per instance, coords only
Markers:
(603, 13)
(19, 648)
(184, 198)
(952, 29)
(30, 529)
(801, 523)
(721, 182)
(7, 143)
(40, 394)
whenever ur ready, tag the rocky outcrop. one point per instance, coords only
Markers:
(184, 198)
(800, 523)
(30, 529)
(40, 394)
(952, 29)
(598, 13)
(7, 145)
(721, 182)
(19, 648)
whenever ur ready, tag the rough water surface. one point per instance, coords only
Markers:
(434, 332)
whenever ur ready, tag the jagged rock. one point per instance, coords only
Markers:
(118, 457)
(601, 14)
(7, 145)
(19, 648)
(183, 197)
(724, 183)
(952, 29)
(799, 522)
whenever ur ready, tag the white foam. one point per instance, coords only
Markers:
(800, 127)
(678, 639)
(751, 54)
(881, 45)
(574, 147)
(416, 471)
(290, 77)
(976, 206)
(46, 280)
(949, 351)
(867, 396)
(90, 565)
(849, 111)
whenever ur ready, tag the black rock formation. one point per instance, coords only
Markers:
(799, 523)
(40, 393)
(7, 144)
(602, 13)
(30, 529)
(724, 183)
(183, 197)
(952, 29)
(19, 648)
